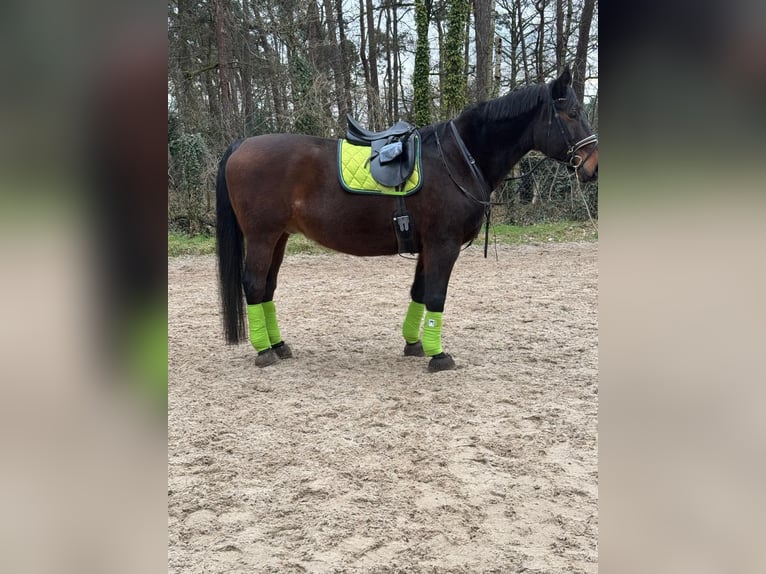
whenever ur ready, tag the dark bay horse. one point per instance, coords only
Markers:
(273, 185)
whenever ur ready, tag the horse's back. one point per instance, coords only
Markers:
(280, 161)
(282, 148)
(276, 180)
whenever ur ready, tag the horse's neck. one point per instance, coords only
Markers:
(500, 148)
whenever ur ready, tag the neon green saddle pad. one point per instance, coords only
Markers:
(355, 177)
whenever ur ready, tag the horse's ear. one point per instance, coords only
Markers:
(560, 84)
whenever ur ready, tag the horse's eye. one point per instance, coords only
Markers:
(574, 114)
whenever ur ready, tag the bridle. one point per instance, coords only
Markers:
(572, 160)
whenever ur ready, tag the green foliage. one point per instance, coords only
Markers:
(547, 193)
(300, 244)
(183, 244)
(553, 232)
(204, 244)
(556, 232)
(454, 97)
(172, 125)
(420, 80)
(188, 201)
(591, 111)
(310, 102)
(188, 151)
(307, 115)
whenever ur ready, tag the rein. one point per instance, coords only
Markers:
(477, 175)
(526, 174)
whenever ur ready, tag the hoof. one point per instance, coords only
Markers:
(414, 350)
(266, 358)
(282, 350)
(441, 362)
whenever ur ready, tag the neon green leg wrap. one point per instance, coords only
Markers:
(412, 322)
(259, 335)
(432, 333)
(272, 327)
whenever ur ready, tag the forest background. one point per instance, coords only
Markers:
(240, 68)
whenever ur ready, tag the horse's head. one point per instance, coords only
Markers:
(563, 132)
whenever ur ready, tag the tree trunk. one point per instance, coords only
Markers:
(389, 80)
(483, 24)
(567, 30)
(344, 58)
(523, 42)
(397, 52)
(495, 92)
(213, 96)
(224, 72)
(246, 73)
(374, 85)
(275, 80)
(187, 104)
(336, 62)
(560, 41)
(581, 53)
(365, 63)
(467, 49)
(540, 43)
(440, 37)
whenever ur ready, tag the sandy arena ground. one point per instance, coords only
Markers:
(353, 458)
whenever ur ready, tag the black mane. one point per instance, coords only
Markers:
(509, 106)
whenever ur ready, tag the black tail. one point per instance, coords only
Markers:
(230, 257)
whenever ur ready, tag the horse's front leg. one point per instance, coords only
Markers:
(437, 268)
(413, 321)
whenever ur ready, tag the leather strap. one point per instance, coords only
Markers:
(477, 175)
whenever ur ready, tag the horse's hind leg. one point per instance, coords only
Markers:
(261, 315)
(413, 321)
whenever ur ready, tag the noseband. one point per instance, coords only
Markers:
(572, 148)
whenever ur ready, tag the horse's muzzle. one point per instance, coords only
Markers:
(585, 176)
(587, 170)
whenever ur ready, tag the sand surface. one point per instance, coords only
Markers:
(351, 457)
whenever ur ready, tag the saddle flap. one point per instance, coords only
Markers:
(391, 163)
